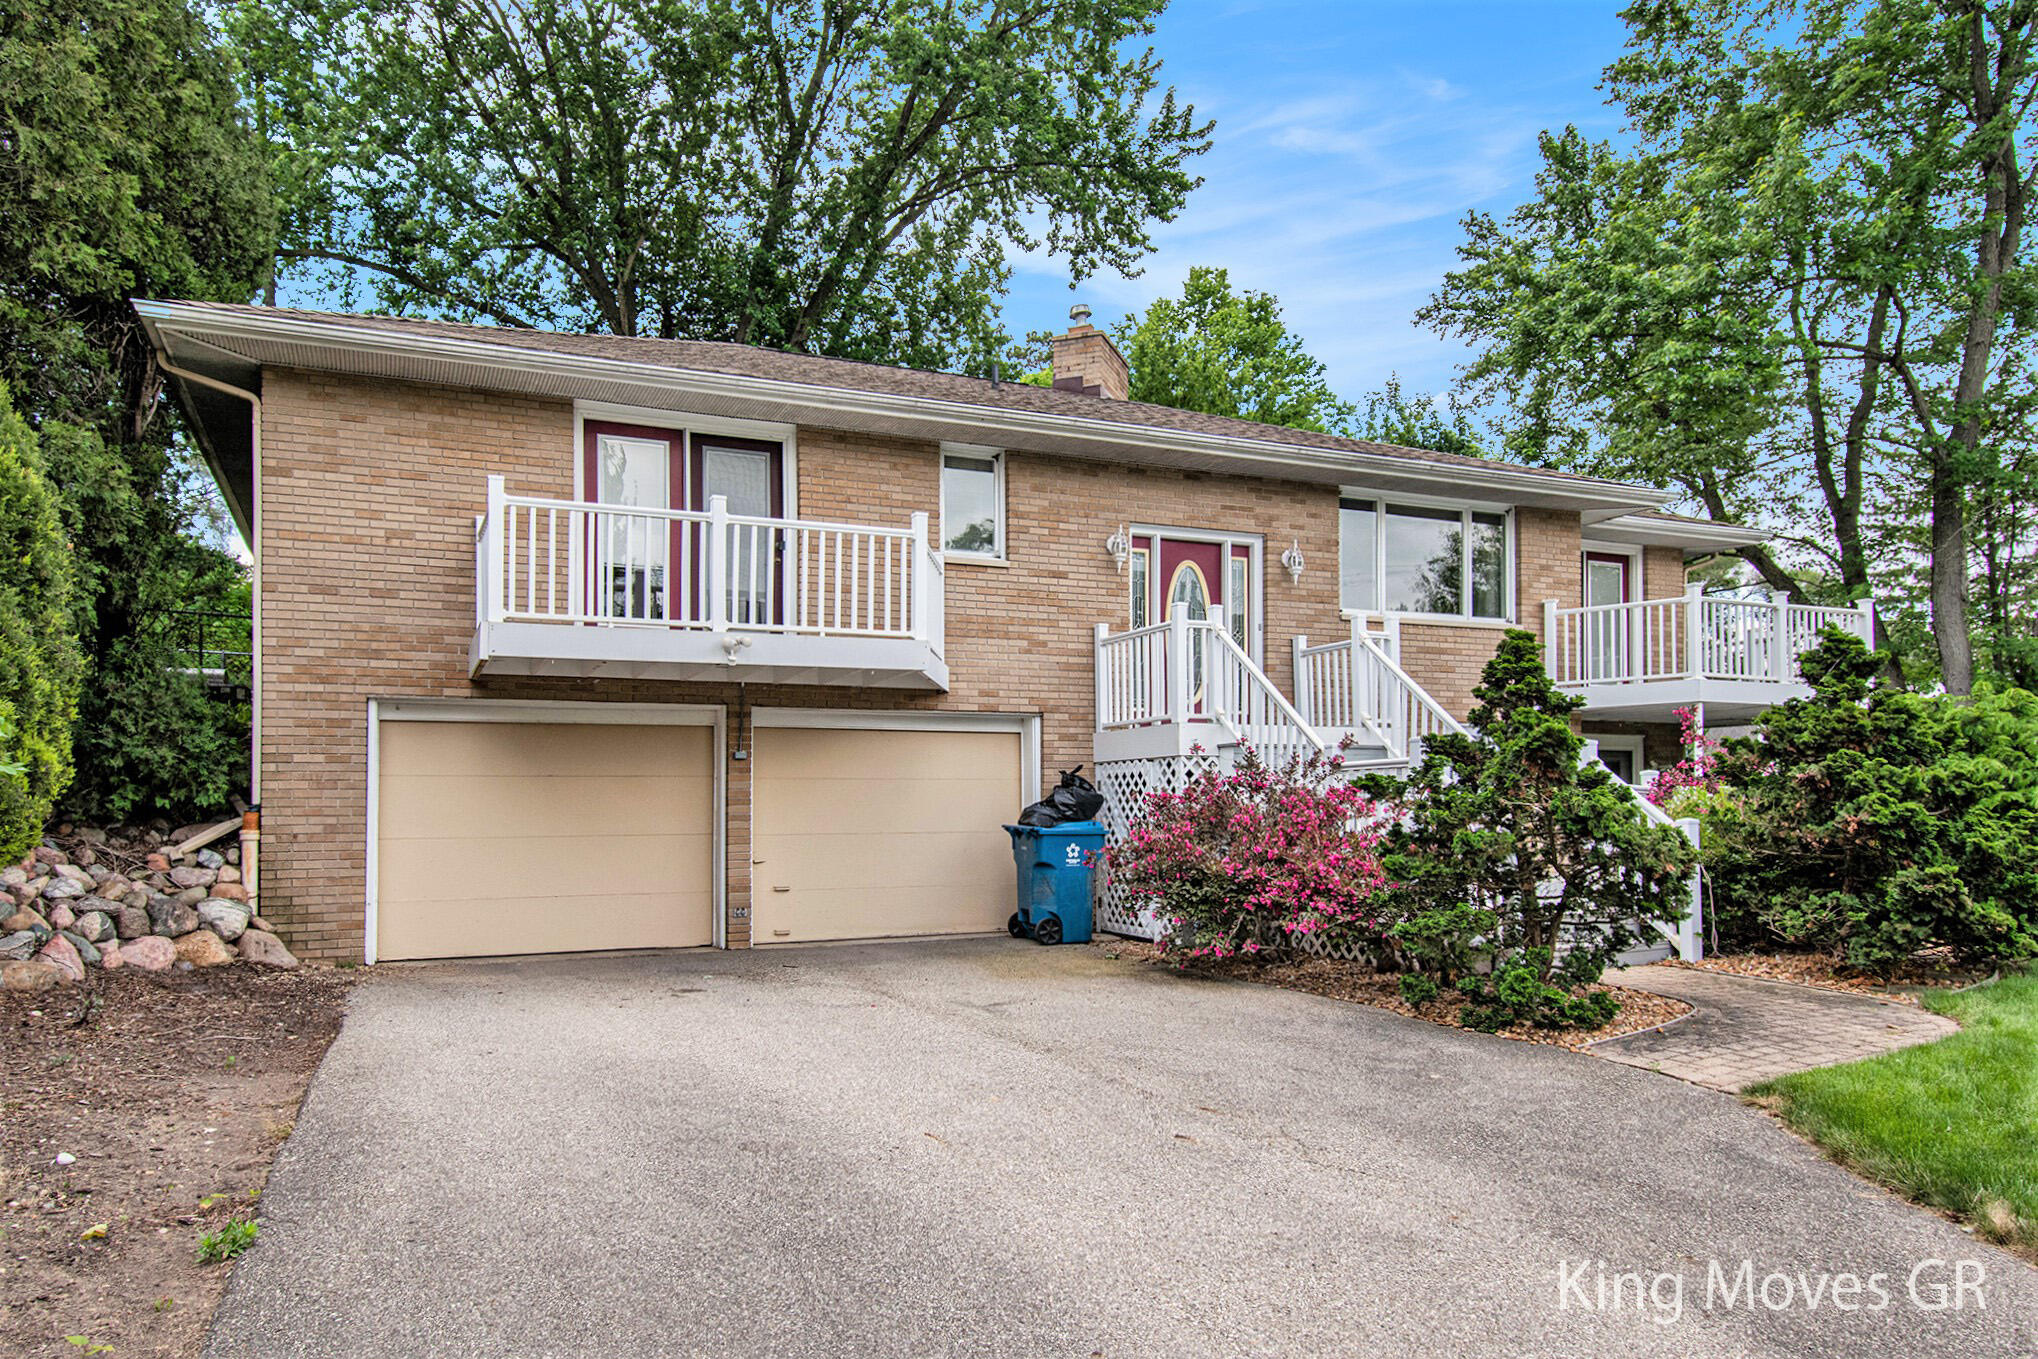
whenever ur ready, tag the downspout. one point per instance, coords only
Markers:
(255, 594)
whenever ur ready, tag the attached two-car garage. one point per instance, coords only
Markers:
(501, 828)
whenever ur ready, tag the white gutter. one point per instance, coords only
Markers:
(197, 322)
(254, 551)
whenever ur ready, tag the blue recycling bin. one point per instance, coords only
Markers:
(1055, 866)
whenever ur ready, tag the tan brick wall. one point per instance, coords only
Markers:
(369, 496)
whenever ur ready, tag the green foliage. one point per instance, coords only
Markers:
(130, 173)
(1519, 992)
(1508, 850)
(1946, 1123)
(39, 660)
(842, 178)
(1874, 822)
(1417, 420)
(1418, 988)
(1800, 297)
(1227, 353)
(228, 1242)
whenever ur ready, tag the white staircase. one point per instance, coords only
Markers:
(1356, 687)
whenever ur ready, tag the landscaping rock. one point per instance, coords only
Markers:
(109, 955)
(62, 889)
(90, 835)
(113, 888)
(228, 919)
(233, 854)
(202, 948)
(85, 856)
(49, 854)
(21, 944)
(87, 954)
(150, 953)
(266, 950)
(171, 917)
(31, 890)
(256, 922)
(60, 952)
(193, 877)
(208, 858)
(229, 874)
(95, 926)
(72, 873)
(22, 920)
(158, 863)
(191, 896)
(63, 917)
(132, 922)
(14, 875)
(229, 891)
(29, 976)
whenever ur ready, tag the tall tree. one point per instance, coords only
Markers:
(841, 176)
(1227, 353)
(127, 172)
(1417, 420)
(1804, 291)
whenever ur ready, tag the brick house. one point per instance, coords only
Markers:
(579, 642)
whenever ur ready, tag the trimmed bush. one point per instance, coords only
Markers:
(1871, 822)
(1509, 854)
(39, 659)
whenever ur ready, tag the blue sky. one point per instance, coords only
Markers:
(1351, 138)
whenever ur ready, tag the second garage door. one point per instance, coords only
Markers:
(542, 837)
(865, 834)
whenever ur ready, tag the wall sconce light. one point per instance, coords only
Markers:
(1119, 545)
(1292, 559)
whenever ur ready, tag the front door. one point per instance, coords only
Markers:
(1608, 581)
(626, 468)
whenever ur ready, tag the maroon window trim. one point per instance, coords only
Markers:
(1627, 571)
(590, 468)
(696, 494)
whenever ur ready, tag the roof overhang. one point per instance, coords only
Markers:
(234, 345)
(1698, 537)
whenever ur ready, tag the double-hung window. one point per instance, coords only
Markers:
(973, 502)
(1396, 558)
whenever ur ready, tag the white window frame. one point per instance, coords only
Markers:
(996, 458)
(1465, 510)
(686, 425)
(1630, 744)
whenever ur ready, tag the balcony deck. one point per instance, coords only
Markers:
(1643, 660)
(568, 588)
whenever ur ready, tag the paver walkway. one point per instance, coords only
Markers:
(1744, 1030)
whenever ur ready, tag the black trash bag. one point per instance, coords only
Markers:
(1076, 799)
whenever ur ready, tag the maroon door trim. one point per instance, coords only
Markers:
(1627, 571)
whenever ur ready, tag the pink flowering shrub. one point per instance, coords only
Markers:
(1698, 769)
(1245, 861)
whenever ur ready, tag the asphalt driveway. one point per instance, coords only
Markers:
(984, 1147)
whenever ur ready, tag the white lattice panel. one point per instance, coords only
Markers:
(1125, 785)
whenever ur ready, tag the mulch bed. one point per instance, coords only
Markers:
(172, 1096)
(1360, 984)
(1827, 973)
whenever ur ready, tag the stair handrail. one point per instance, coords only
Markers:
(1299, 734)
(1410, 693)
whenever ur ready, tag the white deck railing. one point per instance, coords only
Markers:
(564, 561)
(1691, 636)
(1357, 685)
(1188, 672)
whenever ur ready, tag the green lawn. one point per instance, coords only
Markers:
(1953, 1124)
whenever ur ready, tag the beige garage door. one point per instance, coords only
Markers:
(862, 834)
(513, 837)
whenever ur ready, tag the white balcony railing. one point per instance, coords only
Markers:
(1356, 685)
(1192, 679)
(567, 562)
(1689, 637)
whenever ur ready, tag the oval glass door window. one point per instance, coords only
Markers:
(1189, 596)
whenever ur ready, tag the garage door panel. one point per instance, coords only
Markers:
(870, 806)
(597, 749)
(523, 924)
(513, 837)
(512, 805)
(877, 833)
(436, 869)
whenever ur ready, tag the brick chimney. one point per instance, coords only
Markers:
(1086, 361)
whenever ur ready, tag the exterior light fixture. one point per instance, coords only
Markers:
(1292, 559)
(1119, 545)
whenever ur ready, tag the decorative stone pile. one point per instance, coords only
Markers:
(89, 898)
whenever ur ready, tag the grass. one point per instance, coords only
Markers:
(226, 1243)
(1951, 1124)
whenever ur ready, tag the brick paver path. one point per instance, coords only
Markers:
(1743, 1030)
